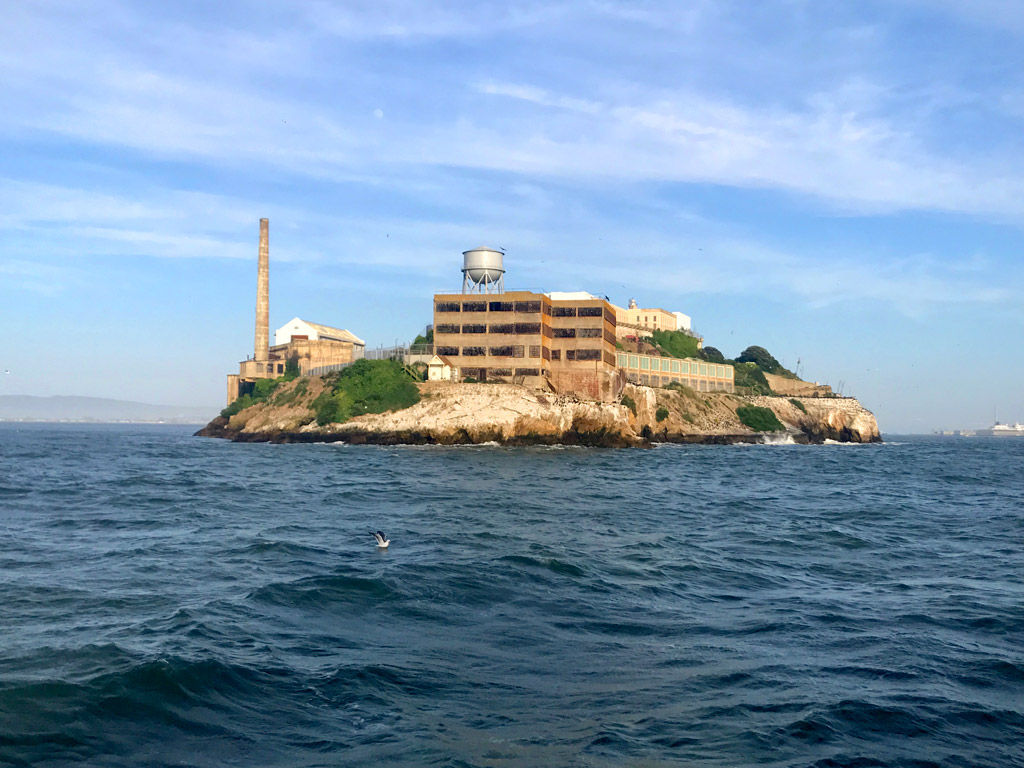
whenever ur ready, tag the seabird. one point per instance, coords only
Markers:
(382, 540)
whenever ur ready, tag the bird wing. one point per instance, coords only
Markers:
(378, 537)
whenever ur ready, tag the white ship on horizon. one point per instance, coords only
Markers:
(1002, 430)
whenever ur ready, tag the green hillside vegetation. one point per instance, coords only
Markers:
(765, 361)
(366, 386)
(261, 391)
(674, 343)
(750, 376)
(759, 419)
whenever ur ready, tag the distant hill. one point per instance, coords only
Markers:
(97, 409)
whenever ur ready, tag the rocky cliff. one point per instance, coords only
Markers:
(477, 413)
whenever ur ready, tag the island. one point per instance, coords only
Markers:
(381, 403)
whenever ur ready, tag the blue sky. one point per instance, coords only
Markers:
(842, 183)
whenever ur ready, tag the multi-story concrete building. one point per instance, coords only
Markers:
(638, 321)
(529, 338)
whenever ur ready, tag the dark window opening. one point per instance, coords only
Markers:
(591, 311)
(590, 333)
(564, 311)
(565, 333)
(502, 328)
(527, 328)
(500, 351)
(447, 306)
(501, 306)
(446, 328)
(474, 328)
(474, 306)
(473, 351)
(535, 350)
(556, 354)
(588, 354)
(447, 351)
(527, 372)
(527, 306)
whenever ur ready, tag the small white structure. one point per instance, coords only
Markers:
(682, 321)
(441, 369)
(297, 328)
(570, 296)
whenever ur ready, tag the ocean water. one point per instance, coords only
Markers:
(170, 600)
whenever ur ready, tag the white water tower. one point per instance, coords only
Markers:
(483, 271)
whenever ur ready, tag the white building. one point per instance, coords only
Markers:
(297, 329)
(440, 369)
(682, 321)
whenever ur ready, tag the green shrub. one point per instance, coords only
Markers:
(750, 376)
(675, 343)
(797, 404)
(661, 414)
(759, 419)
(366, 386)
(291, 368)
(629, 403)
(239, 404)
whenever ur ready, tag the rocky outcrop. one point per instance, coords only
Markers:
(450, 414)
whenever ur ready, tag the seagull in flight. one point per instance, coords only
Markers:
(382, 540)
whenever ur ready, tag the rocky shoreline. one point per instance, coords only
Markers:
(473, 414)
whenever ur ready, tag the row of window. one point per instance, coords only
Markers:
(671, 365)
(576, 354)
(520, 329)
(523, 306)
(492, 306)
(513, 350)
(701, 385)
(485, 374)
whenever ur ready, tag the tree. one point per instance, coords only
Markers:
(712, 355)
(762, 358)
(291, 367)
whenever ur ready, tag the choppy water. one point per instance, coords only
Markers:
(169, 600)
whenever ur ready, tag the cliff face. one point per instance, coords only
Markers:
(478, 413)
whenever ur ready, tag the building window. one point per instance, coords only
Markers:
(501, 306)
(474, 306)
(590, 333)
(474, 328)
(645, 364)
(535, 350)
(588, 354)
(621, 360)
(634, 361)
(545, 353)
(501, 371)
(502, 328)
(500, 351)
(518, 350)
(570, 354)
(473, 351)
(703, 369)
(527, 372)
(610, 318)
(591, 311)
(447, 328)
(563, 311)
(527, 306)
(675, 366)
(546, 309)
(527, 328)
(442, 306)
(564, 333)
(447, 351)
(556, 354)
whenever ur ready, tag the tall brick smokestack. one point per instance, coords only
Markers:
(263, 295)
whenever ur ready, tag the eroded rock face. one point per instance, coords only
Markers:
(451, 414)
